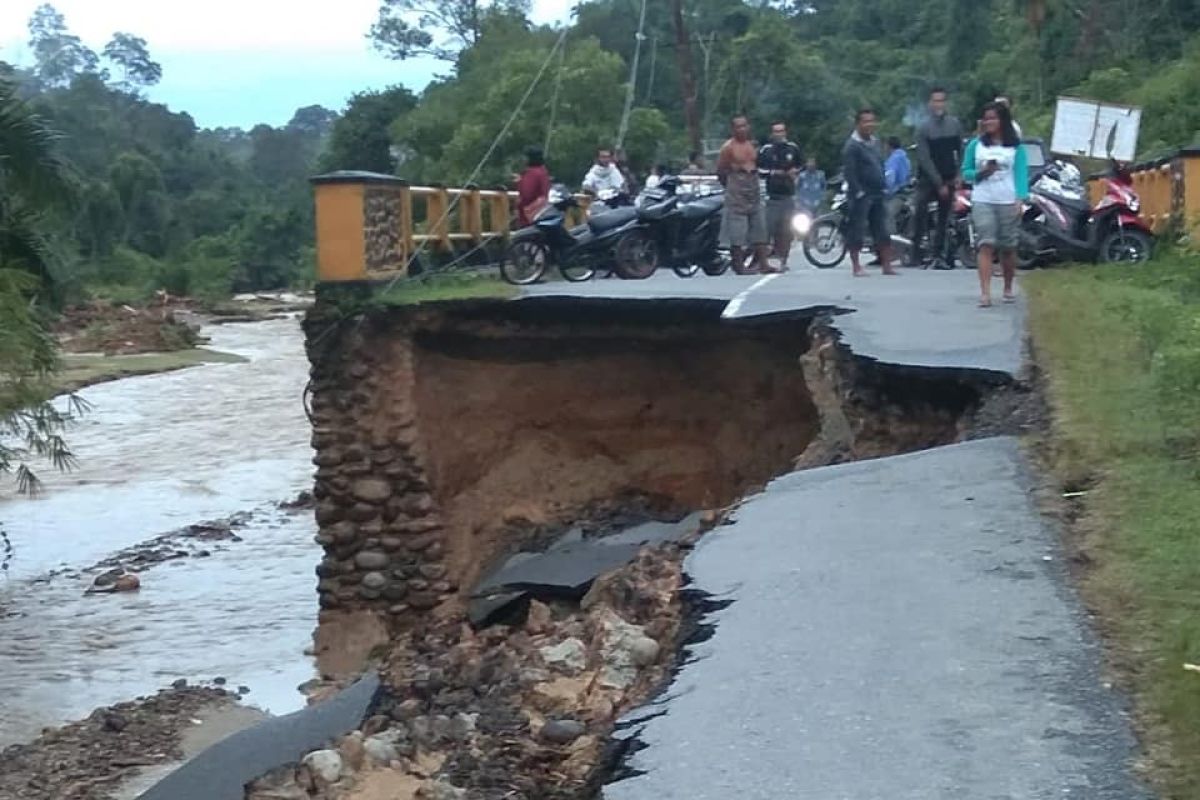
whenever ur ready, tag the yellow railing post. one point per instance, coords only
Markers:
(470, 211)
(501, 213)
(1189, 190)
(437, 227)
(360, 220)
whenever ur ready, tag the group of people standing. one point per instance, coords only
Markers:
(992, 162)
(750, 226)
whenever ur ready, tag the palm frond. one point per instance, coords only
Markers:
(31, 164)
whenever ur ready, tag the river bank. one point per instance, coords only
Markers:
(118, 748)
(1122, 372)
(103, 341)
(157, 454)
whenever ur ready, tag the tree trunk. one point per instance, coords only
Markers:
(687, 77)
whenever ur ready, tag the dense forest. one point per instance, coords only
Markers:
(155, 202)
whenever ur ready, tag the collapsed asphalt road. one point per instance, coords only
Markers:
(900, 629)
(918, 319)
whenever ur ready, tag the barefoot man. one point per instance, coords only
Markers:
(742, 223)
(863, 167)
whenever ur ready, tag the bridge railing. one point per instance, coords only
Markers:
(370, 226)
(1169, 189)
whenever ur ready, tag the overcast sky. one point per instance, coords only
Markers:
(240, 62)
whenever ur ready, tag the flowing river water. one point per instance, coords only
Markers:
(157, 453)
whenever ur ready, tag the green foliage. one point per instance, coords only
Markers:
(360, 138)
(34, 182)
(1124, 375)
(438, 28)
(129, 54)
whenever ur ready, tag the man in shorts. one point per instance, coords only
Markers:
(862, 164)
(778, 164)
(742, 223)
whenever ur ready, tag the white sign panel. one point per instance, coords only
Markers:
(1096, 130)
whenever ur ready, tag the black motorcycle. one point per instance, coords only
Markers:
(674, 229)
(579, 252)
(825, 239)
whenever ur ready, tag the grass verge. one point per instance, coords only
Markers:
(436, 287)
(85, 369)
(1120, 349)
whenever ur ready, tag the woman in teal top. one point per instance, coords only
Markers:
(996, 166)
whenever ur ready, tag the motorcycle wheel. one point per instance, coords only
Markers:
(686, 270)
(637, 256)
(824, 246)
(525, 262)
(1126, 245)
(717, 264)
(967, 256)
(577, 272)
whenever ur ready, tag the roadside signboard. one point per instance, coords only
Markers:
(1091, 129)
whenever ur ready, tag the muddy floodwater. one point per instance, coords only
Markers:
(155, 454)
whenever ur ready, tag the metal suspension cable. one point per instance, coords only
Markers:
(562, 62)
(453, 204)
(633, 69)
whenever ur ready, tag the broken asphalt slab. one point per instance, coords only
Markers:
(901, 628)
(923, 319)
(222, 771)
(568, 568)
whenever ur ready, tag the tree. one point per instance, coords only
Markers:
(687, 75)
(34, 180)
(60, 55)
(360, 138)
(315, 121)
(128, 53)
(442, 29)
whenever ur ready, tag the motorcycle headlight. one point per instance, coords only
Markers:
(1135, 205)
(801, 223)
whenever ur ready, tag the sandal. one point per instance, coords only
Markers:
(985, 302)
(1010, 298)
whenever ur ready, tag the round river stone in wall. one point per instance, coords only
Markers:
(371, 490)
(371, 559)
(374, 580)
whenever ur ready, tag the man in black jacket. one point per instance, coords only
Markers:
(862, 166)
(939, 155)
(779, 163)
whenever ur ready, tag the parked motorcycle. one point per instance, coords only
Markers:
(673, 229)
(825, 243)
(579, 252)
(1060, 224)
(825, 236)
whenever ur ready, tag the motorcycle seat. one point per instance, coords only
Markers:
(703, 207)
(1078, 204)
(656, 211)
(607, 220)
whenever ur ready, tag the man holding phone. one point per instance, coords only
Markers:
(939, 153)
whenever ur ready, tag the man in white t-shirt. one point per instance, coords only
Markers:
(604, 174)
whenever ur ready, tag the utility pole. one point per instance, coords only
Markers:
(633, 71)
(687, 77)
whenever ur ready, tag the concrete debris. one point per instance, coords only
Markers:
(569, 655)
(624, 649)
(325, 765)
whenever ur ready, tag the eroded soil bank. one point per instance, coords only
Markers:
(450, 438)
